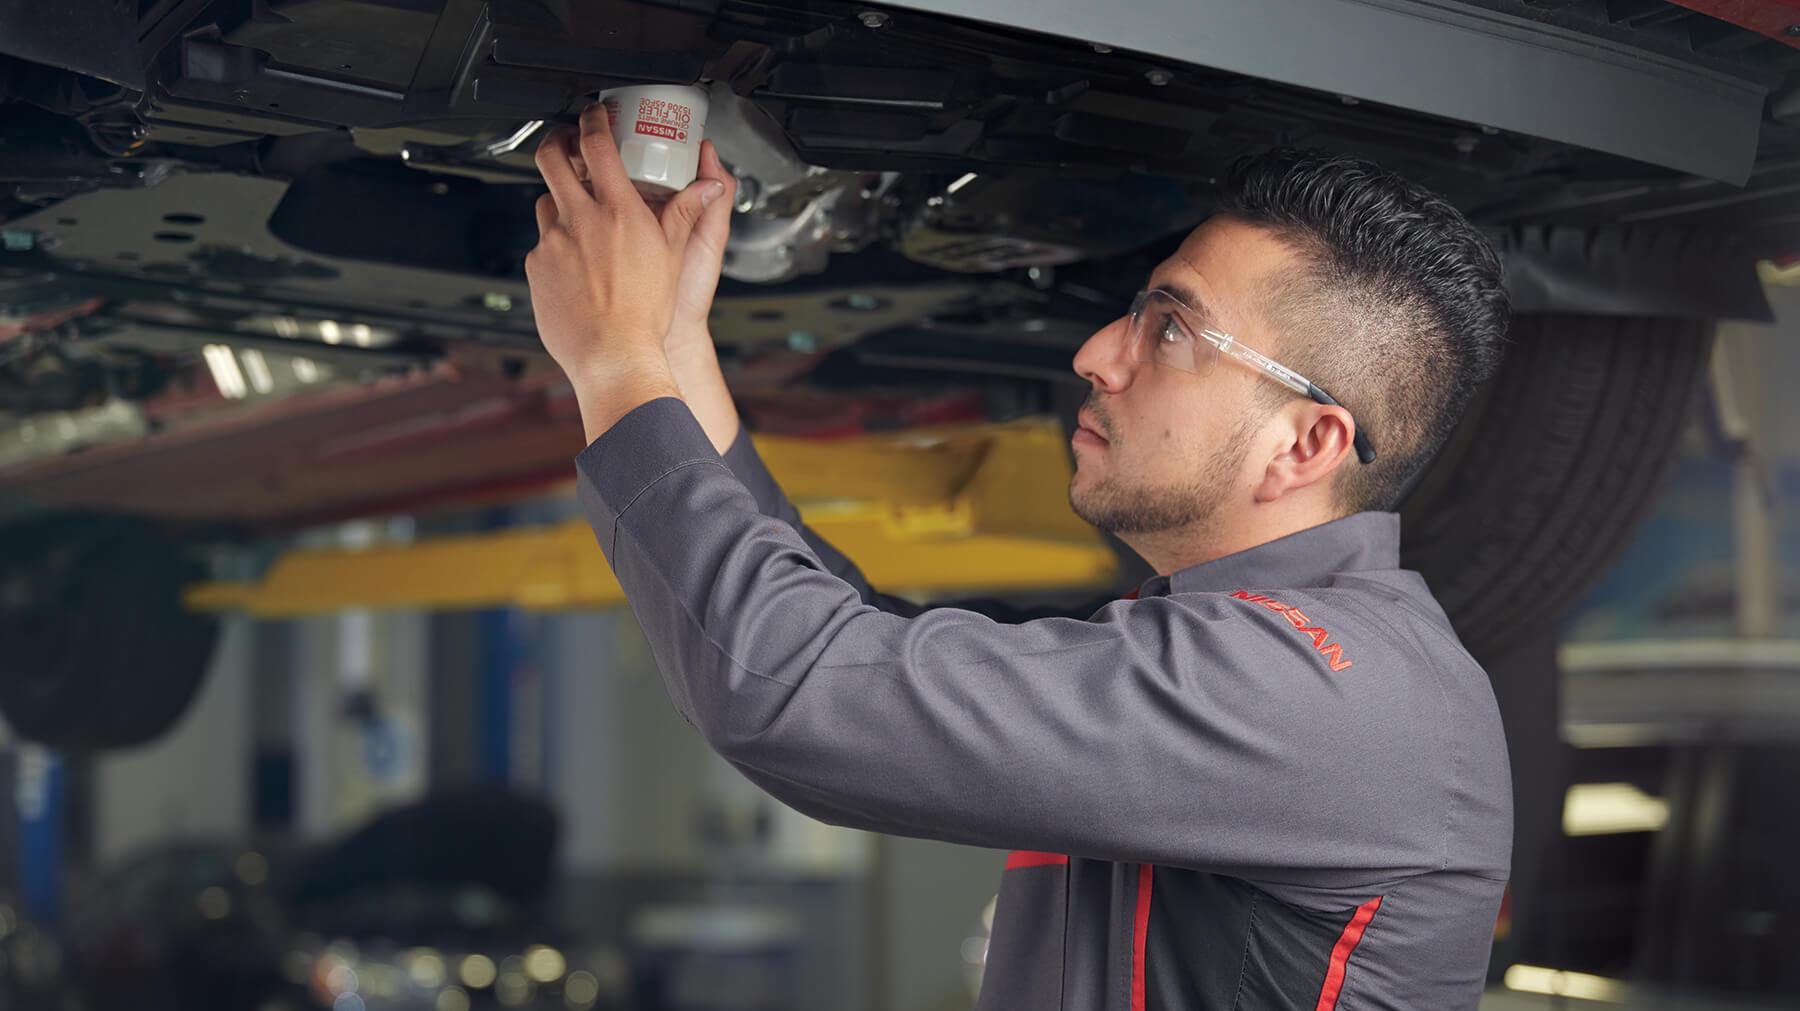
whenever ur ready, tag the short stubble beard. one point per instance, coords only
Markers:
(1119, 508)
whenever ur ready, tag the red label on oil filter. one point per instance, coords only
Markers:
(660, 118)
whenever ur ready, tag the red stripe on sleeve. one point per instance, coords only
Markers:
(1340, 953)
(1026, 858)
(1140, 934)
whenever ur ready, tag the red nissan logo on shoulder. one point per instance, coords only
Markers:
(1331, 651)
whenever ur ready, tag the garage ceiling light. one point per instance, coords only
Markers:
(258, 370)
(1611, 808)
(225, 372)
(1561, 983)
(328, 331)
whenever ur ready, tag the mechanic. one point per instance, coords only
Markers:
(1271, 777)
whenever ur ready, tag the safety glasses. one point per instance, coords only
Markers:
(1161, 332)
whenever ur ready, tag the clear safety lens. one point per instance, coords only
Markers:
(1161, 332)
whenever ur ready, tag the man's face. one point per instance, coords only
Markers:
(1160, 449)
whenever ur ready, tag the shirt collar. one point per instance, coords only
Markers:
(1358, 542)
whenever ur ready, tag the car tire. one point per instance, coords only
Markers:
(1552, 469)
(96, 650)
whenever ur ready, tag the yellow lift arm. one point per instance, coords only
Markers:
(968, 509)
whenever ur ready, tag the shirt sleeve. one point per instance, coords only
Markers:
(747, 464)
(1202, 735)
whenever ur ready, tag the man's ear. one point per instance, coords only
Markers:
(1318, 439)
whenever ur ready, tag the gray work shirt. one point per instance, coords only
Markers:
(1272, 780)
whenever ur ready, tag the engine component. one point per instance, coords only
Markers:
(985, 223)
(791, 216)
(504, 158)
(766, 247)
(754, 147)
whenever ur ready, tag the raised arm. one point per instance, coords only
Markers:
(694, 362)
(1187, 733)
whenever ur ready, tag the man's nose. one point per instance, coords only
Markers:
(1105, 358)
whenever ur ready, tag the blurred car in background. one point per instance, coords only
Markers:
(438, 905)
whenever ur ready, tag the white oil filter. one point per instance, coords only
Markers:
(658, 128)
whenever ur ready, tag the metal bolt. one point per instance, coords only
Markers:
(873, 19)
(749, 191)
(1159, 77)
(1102, 50)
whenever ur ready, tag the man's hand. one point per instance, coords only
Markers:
(703, 258)
(693, 358)
(604, 274)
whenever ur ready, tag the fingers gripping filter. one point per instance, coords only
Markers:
(658, 129)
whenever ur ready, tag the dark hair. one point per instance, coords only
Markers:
(1400, 312)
